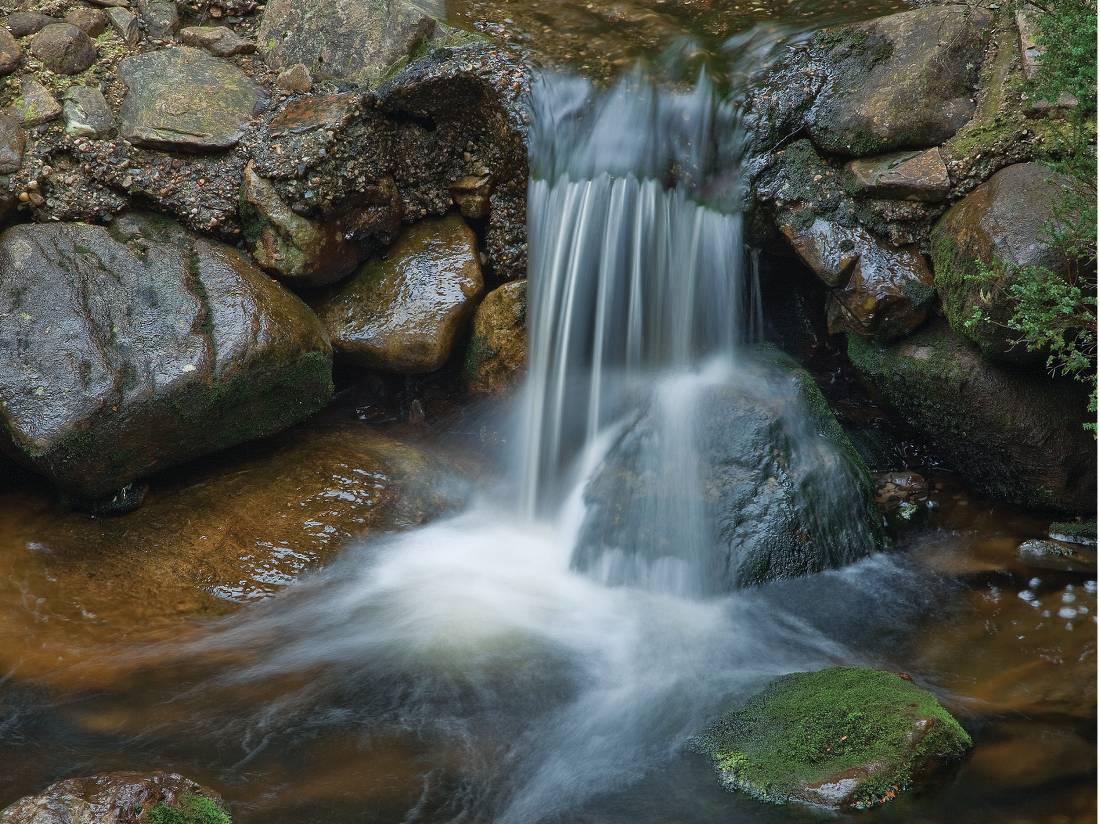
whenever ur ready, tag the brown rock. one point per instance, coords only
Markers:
(902, 176)
(295, 79)
(496, 355)
(22, 23)
(93, 22)
(471, 195)
(63, 48)
(11, 53)
(221, 41)
(12, 142)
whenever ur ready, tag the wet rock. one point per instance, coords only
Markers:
(23, 23)
(999, 228)
(86, 113)
(126, 25)
(295, 79)
(1074, 532)
(221, 41)
(783, 491)
(841, 737)
(12, 143)
(183, 98)
(472, 195)
(1014, 435)
(496, 354)
(161, 18)
(11, 53)
(900, 496)
(356, 40)
(403, 313)
(93, 22)
(35, 105)
(63, 48)
(1058, 556)
(140, 346)
(902, 175)
(289, 245)
(905, 81)
(119, 798)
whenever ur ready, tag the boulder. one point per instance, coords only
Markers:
(35, 105)
(93, 22)
(355, 40)
(24, 23)
(902, 175)
(11, 53)
(221, 41)
(13, 140)
(161, 18)
(86, 112)
(120, 798)
(842, 737)
(403, 313)
(496, 354)
(782, 491)
(181, 98)
(1015, 435)
(126, 24)
(139, 346)
(983, 241)
(63, 48)
(905, 81)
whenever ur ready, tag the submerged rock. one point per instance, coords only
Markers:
(139, 346)
(1074, 532)
(1014, 435)
(496, 354)
(404, 312)
(120, 798)
(840, 737)
(781, 491)
(1058, 556)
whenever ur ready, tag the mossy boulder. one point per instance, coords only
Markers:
(131, 348)
(496, 354)
(404, 312)
(1014, 434)
(983, 242)
(840, 737)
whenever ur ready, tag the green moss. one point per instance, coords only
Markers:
(1077, 531)
(807, 728)
(196, 809)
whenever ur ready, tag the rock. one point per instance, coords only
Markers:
(221, 41)
(113, 798)
(902, 175)
(161, 18)
(86, 113)
(295, 79)
(93, 22)
(125, 24)
(783, 491)
(35, 105)
(999, 228)
(841, 737)
(63, 48)
(136, 347)
(23, 23)
(1058, 556)
(471, 195)
(1014, 435)
(403, 313)
(11, 53)
(12, 143)
(356, 40)
(900, 496)
(183, 98)
(496, 354)
(289, 245)
(1074, 532)
(905, 81)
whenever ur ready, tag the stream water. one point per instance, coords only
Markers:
(479, 669)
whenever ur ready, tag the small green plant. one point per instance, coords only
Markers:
(196, 809)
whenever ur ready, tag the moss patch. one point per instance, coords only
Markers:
(196, 809)
(810, 728)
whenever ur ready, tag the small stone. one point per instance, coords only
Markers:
(471, 195)
(218, 40)
(87, 113)
(93, 22)
(22, 23)
(496, 354)
(12, 142)
(35, 105)
(63, 48)
(161, 18)
(11, 53)
(295, 79)
(903, 176)
(126, 24)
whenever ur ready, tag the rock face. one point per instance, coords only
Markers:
(902, 175)
(1000, 228)
(120, 798)
(185, 99)
(841, 737)
(131, 348)
(900, 82)
(63, 48)
(404, 313)
(1014, 435)
(496, 355)
(785, 494)
(356, 40)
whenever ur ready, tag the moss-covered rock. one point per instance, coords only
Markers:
(496, 354)
(1014, 434)
(839, 737)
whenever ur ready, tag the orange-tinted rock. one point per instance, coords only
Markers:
(496, 354)
(904, 176)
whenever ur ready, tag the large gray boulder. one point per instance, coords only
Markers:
(127, 349)
(781, 489)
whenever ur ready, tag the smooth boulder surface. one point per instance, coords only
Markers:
(403, 313)
(137, 346)
(63, 48)
(182, 98)
(11, 53)
(784, 493)
(902, 175)
(841, 737)
(120, 798)
(999, 228)
(496, 354)
(1015, 435)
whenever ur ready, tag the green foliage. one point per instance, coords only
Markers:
(1067, 33)
(196, 809)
